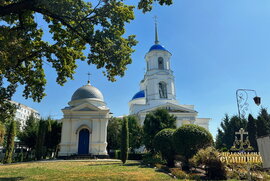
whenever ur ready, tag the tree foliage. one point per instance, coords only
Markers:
(252, 132)
(263, 123)
(226, 134)
(163, 142)
(52, 136)
(72, 26)
(154, 122)
(188, 139)
(42, 129)
(28, 134)
(114, 131)
(135, 133)
(11, 133)
(124, 140)
(2, 133)
(42, 136)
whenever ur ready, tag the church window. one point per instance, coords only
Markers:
(162, 90)
(160, 63)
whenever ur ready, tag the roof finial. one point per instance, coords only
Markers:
(156, 31)
(88, 82)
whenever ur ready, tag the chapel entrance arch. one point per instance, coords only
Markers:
(83, 147)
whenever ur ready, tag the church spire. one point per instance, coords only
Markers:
(156, 31)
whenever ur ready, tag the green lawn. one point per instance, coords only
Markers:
(80, 170)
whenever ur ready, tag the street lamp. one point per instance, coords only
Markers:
(242, 98)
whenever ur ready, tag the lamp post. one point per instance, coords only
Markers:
(242, 98)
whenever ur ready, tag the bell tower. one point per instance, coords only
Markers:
(158, 82)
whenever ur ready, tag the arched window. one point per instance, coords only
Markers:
(160, 63)
(162, 90)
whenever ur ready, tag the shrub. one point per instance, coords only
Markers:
(163, 142)
(154, 122)
(162, 168)
(178, 173)
(194, 176)
(188, 139)
(209, 157)
(131, 156)
(117, 154)
(151, 160)
(135, 156)
(233, 174)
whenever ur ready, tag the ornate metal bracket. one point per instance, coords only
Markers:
(242, 98)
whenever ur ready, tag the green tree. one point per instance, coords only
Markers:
(124, 141)
(72, 26)
(135, 133)
(11, 133)
(163, 142)
(53, 136)
(252, 132)
(7, 109)
(42, 129)
(226, 134)
(154, 122)
(2, 133)
(114, 131)
(28, 135)
(263, 123)
(188, 139)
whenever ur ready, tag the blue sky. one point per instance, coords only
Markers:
(217, 47)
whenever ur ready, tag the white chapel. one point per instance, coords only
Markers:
(157, 89)
(84, 125)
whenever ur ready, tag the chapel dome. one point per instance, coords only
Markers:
(157, 47)
(87, 92)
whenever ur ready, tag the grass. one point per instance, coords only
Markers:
(80, 170)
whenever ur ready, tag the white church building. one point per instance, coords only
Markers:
(157, 89)
(84, 125)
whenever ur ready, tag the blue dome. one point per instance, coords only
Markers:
(157, 47)
(139, 94)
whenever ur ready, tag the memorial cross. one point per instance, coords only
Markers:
(241, 132)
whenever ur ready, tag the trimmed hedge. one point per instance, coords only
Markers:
(163, 142)
(135, 156)
(131, 156)
(188, 139)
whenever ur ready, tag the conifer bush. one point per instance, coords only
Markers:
(124, 141)
(40, 139)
